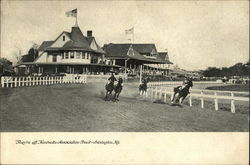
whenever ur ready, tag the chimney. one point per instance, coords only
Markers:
(89, 33)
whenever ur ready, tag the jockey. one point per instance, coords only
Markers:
(112, 78)
(120, 80)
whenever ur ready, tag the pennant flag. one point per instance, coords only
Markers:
(72, 13)
(130, 31)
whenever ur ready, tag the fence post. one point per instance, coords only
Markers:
(7, 82)
(29, 81)
(202, 100)
(232, 103)
(11, 82)
(190, 100)
(216, 102)
(26, 81)
(23, 81)
(15, 79)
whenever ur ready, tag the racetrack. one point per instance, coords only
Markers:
(81, 107)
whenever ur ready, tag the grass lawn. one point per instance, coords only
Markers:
(80, 107)
(235, 87)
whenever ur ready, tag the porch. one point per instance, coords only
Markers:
(57, 68)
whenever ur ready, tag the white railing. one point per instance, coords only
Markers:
(159, 92)
(37, 80)
(159, 83)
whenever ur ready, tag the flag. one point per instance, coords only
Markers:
(130, 31)
(72, 13)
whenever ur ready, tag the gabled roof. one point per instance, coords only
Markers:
(92, 39)
(120, 51)
(77, 42)
(116, 50)
(27, 58)
(164, 57)
(44, 45)
(144, 48)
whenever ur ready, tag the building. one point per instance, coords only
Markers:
(71, 52)
(132, 56)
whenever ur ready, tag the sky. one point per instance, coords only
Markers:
(197, 34)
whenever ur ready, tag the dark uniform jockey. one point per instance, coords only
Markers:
(112, 79)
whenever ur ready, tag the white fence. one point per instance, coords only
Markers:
(37, 80)
(151, 84)
(162, 92)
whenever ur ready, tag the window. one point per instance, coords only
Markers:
(83, 55)
(87, 55)
(71, 55)
(54, 58)
(78, 55)
(66, 55)
(63, 38)
(63, 55)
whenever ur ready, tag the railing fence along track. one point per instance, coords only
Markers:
(11, 82)
(151, 84)
(162, 92)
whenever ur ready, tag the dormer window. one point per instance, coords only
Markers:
(63, 38)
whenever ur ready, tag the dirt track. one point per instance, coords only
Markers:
(81, 107)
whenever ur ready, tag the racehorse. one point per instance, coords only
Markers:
(109, 89)
(118, 89)
(143, 87)
(182, 92)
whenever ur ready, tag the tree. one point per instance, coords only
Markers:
(33, 51)
(238, 69)
(6, 66)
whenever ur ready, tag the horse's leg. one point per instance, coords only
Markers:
(106, 95)
(176, 98)
(172, 96)
(182, 99)
(117, 96)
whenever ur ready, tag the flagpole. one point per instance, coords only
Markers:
(76, 19)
